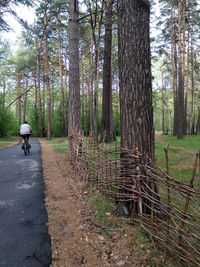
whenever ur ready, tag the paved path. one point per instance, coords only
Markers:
(24, 239)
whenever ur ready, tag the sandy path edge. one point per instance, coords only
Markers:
(75, 238)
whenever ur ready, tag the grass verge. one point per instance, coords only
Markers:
(7, 141)
(60, 145)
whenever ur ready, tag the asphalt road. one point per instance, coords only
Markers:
(24, 239)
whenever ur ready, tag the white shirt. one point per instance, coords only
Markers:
(25, 129)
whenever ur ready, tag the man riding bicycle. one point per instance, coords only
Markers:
(25, 131)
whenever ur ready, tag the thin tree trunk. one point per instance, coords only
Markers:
(173, 34)
(43, 102)
(192, 128)
(25, 87)
(47, 74)
(96, 39)
(187, 75)
(36, 104)
(4, 92)
(108, 134)
(63, 93)
(41, 116)
(18, 102)
(66, 84)
(163, 102)
(187, 83)
(198, 122)
(74, 70)
(181, 70)
(91, 91)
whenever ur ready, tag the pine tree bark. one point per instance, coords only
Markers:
(18, 102)
(173, 36)
(135, 77)
(181, 71)
(95, 22)
(25, 87)
(63, 92)
(91, 91)
(4, 92)
(163, 102)
(74, 70)
(108, 134)
(137, 132)
(41, 115)
(47, 73)
(192, 123)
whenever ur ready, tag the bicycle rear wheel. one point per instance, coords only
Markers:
(26, 147)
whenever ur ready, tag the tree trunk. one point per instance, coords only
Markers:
(18, 102)
(163, 103)
(135, 77)
(137, 132)
(36, 103)
(4, 92)
(41, 117)
(187, 74)
(181, 71)
(53, 71)
(95, 22)
(74, 71)
(192, 127)
(25, 87)
(44, 103)
(198, 122)
(108, 134)
(90, 85)
(47, 73)
(63, 93)
(173, 35)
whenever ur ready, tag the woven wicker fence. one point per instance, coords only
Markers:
(165, 208)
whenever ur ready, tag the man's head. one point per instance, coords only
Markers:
(26, 122)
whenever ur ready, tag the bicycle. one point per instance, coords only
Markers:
(26, 146)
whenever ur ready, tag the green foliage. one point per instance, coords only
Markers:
(56, 123)
(8, 124)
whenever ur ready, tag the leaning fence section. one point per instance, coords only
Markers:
(167, 209)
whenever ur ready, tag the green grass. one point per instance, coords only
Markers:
(190, 141)
(174, 157)
(4, 141)
(59, 145)
(102, 206)
(181, 156)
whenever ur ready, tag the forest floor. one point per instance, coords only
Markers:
(78, 236)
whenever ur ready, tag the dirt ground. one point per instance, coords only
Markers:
(77, 240)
